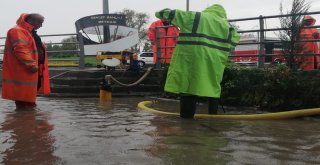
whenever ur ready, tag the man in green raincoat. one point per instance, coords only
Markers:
(205, 41)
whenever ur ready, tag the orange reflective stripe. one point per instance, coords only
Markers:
(15, 42)
(33, 51)
(20, 82)
(29, 61)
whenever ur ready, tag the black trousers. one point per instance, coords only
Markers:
(188, 106)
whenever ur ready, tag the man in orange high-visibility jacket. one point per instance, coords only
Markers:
(309, 62)
(25, 62)
(169, 30)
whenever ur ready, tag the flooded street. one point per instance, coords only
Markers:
(80, 131)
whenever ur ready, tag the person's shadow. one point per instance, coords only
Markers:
(31, 142)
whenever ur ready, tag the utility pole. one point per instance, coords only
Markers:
(187, 5)
(106, 30)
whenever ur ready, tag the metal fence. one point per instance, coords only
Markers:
(261, 36)
(51, 52)
(260, 31)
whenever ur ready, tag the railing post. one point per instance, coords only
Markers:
(81, 53)
(262, 46)
(158, 53)
(187, 5)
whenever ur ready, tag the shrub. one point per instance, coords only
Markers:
(271, 88)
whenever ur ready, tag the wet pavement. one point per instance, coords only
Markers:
(82, 131)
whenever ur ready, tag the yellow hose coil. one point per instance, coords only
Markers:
(267, 116)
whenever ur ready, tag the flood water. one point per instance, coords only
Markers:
(81, 131)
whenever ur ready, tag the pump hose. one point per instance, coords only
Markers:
(266, 116)
(110, 77)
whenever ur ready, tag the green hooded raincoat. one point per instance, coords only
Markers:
(205, 41)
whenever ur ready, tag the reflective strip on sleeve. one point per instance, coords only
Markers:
(15, 42)
(33, 51)
(28, 61)
(20, 82)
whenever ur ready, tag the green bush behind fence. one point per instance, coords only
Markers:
(275, 89)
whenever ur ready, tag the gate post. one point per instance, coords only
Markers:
(262, 46)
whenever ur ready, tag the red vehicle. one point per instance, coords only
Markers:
(248, 53)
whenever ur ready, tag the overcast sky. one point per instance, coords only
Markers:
(60, 15)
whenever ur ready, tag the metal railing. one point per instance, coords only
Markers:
(52, 52)
(261, 38)
(158, 44)
(261, 42)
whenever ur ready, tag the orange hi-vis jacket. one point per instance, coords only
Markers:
(19, 56)
(310, 62)
(166, 53)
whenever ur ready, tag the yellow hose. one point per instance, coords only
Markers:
(267, 116)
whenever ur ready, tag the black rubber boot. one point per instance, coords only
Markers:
(188, 106)
(213, 105)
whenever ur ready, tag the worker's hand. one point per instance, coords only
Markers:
(33, 69)
(160, 13)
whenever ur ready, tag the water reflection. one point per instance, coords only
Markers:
(178, 141)
(82, 131)
(273, 142)
(204, 141)
(29, 134)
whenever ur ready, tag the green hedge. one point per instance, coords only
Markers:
(0, 77)
(273, 88)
